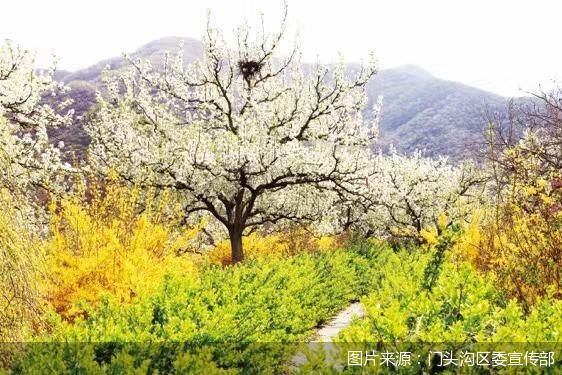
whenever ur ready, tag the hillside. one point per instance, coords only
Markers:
(424, 112)
(419, 111)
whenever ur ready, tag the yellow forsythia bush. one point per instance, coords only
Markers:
(290, 242)
(20, 273)
(519, 242)
(113, 239)
(468, 245)
(524, 251)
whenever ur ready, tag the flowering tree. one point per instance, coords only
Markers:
(409, 193)
(27, 159)
(247, 137)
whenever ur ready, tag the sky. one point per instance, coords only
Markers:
(507, 47)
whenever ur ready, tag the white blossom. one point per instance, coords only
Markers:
(28, 160)
(242, 133)
(408, 193)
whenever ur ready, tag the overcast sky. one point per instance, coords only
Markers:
(498, 45)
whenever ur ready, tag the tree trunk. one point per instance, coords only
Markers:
(236, 246)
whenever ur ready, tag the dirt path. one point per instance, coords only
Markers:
(339, 322)
(326, 333)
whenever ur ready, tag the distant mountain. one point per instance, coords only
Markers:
(419, 111)
(423, 112)
(152, 51)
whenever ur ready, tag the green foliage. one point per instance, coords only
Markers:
(433, 268)
(248, 317)
(462, 309)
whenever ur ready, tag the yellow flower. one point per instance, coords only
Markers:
(122, 242)
(429, 236)
(442, 221)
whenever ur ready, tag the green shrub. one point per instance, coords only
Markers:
(249, 318)
(462, 311)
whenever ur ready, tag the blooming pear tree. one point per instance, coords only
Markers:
(410, 193)
(243, 134)
(27, 159)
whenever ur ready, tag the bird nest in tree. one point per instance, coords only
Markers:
(249, 68)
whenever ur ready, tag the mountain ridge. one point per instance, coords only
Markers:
(419, 110)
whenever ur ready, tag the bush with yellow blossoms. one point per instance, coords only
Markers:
(279, 244)
(522, 245)
(520, 241)
(20, 273)
(113, 239)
